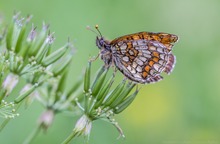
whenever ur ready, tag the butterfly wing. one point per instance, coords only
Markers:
(142, 60)
(165, 38)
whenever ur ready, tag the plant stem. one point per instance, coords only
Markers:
(4, 123)
(69, 138)
(31, 137)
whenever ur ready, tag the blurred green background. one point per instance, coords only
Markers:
(184, 108)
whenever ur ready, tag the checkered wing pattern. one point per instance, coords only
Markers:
(166, 39)
(143, 60)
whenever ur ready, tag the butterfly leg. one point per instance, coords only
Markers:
(94, 58)
(115, 70)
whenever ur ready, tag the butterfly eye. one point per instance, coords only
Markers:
(100, 42)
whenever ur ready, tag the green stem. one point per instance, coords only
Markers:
(69, 138)
(33, 135)
(2, 94)
(4, 123)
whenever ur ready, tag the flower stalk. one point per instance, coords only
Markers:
(83, 127)
(101, 101)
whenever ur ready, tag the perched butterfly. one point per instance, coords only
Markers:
(141, 57)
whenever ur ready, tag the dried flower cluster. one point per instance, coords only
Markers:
(29, 56)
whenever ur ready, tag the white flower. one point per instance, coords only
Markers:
(46, 118)
(10, 82)
(83, 126)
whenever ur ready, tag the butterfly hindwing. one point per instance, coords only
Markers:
(141, 60)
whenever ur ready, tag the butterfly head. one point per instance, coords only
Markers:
(102, 43)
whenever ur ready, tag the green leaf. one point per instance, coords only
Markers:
(99, 81)
(60, 67)
(123, 94)
(75, 86)
(42, 51)
(39, 41)
(87, 78)
(20, 39)
(53, 57)
(9, 39)
(25, 94)
(109, 99)
(104, 91)
(61, 85)
(125, 103)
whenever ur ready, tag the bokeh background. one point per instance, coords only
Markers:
(184, 108)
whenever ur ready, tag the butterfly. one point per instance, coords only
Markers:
(141, 57)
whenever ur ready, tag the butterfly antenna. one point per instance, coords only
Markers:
(97, 28)
(89, 28)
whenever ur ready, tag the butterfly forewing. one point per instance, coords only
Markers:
(164, 38)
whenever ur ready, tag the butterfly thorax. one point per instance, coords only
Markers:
(105, 50)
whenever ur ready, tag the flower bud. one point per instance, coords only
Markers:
(46, 119)
(83, 126)
(53, 57)
(10, 82)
